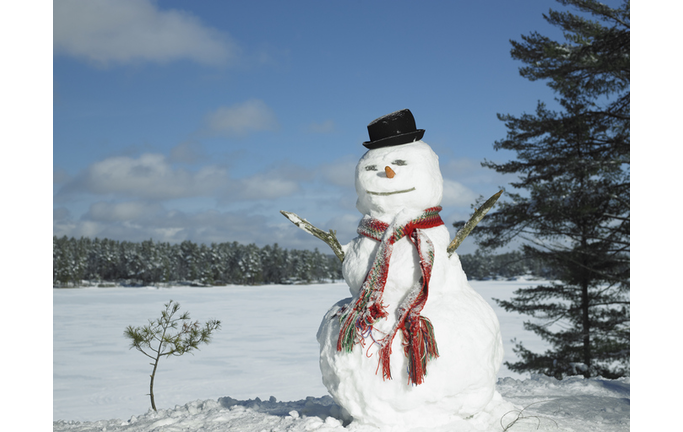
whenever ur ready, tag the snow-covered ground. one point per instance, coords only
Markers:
(261, 370)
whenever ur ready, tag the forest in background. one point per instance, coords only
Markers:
(104, 262)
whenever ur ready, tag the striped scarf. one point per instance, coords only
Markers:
(357, 321)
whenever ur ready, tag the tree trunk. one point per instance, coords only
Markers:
(156, 363)
(151, 384)
(586, 330)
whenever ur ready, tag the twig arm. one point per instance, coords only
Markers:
(474, 220)
(330, 238)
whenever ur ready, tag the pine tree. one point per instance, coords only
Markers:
(169, 336)
(574, 217)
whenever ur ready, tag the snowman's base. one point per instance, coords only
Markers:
(487, 420)
(459, 387)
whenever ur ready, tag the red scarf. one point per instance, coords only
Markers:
(418, 333)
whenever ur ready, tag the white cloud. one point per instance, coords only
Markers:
(120, 212)
(60, 176)
(122, 31)
(276, 182)
(187, 152)
(455, 194)
(60, 213)
(341, 172)
(175, 226)
(240, 119)
(152, 177)
(263, 186)
(149, 176)
(470, 172)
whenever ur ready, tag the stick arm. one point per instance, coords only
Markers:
(474, 220)
(330, 238)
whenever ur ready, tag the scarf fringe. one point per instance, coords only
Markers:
(419, 348)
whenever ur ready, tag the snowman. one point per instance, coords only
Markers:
(414, 345)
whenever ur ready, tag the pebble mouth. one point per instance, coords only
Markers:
(390, 193)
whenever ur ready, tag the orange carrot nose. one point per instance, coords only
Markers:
(389, 171)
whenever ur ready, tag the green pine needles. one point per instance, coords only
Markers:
(572, 209)
(169, 335)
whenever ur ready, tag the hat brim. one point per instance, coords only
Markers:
(395, 140)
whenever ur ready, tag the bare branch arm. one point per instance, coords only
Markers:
(474, 220)
(330, 238)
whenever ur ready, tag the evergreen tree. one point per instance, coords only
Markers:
(250, 265)
(60, 261)
(189, 255)
(108, 260)
(575, 214)
(272, 260)
(169, 336)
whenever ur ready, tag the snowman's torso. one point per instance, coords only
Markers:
(404, 270)
(461, 381)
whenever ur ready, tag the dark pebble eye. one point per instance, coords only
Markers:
(400, 162)
(371, 168)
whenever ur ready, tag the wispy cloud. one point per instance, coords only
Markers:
(455, 194)
(188, 152)
(124, 31)
(153, 177)
(60, 176)
(122, 212)
(240, 119)
(267, 185)
(149, 176)
(340, 172)
(142, 222)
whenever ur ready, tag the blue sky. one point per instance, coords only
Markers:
(177, 120)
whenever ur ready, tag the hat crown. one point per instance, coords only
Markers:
(393, 129)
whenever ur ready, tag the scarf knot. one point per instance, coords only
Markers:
(358, 320)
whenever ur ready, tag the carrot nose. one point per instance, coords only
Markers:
(390, 173)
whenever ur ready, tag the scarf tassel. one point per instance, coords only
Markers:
(420, 347)
(356, 324)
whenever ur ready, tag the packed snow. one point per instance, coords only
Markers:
(261, 371)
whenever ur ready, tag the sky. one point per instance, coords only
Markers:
(200, 121)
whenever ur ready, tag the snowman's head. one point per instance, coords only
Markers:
(395, 178)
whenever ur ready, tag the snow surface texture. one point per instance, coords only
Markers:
(571, 405)
(98, 384)
(460, 383)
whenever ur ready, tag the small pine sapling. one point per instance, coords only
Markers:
(167, 336)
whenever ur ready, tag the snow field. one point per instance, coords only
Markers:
(266, 352)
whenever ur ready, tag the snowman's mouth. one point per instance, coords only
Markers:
(391, 193)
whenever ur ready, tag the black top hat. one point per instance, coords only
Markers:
(393, 129)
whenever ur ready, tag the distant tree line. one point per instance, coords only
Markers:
(102, 261)
(481, 266)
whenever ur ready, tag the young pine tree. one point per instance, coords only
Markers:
(575, 214)
(169, 335)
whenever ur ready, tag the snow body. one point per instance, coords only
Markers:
(461, 381)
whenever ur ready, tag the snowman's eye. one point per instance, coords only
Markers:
(399, 162)
(371, 168)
